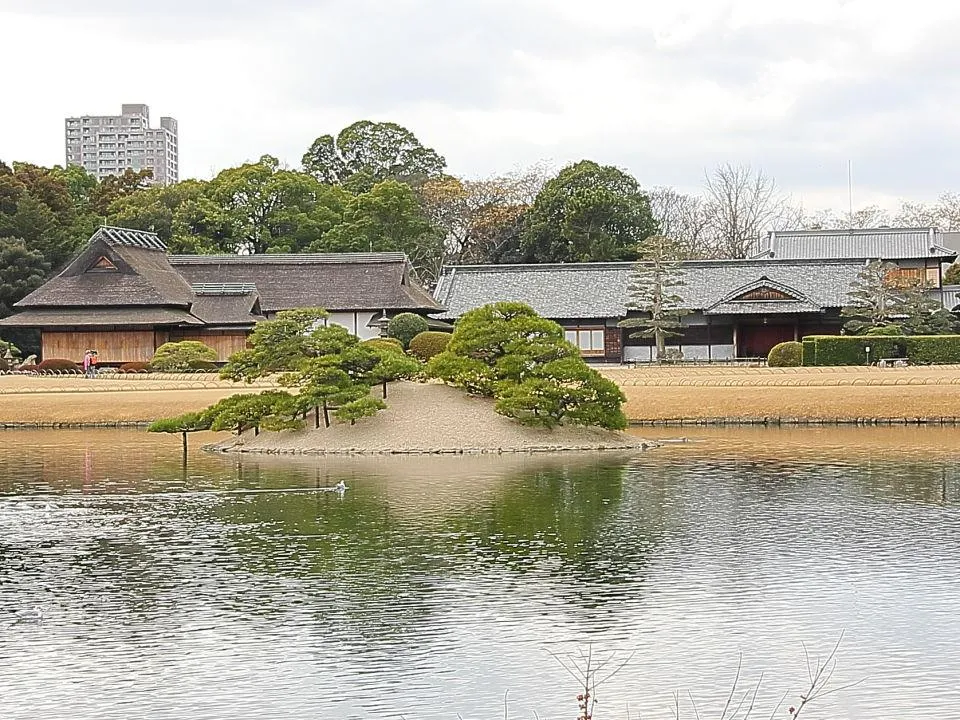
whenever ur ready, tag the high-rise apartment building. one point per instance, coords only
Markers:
(109, 144)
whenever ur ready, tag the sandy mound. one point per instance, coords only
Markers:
(430, 418)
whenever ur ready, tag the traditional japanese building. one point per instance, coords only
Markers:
(795, 286)
(124, 296)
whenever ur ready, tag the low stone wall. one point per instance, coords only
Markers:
(694, 422)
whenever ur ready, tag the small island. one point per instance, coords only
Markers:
(505, 380)
(425, 418)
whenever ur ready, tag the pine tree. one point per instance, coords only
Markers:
(878, 297)
(653, 290)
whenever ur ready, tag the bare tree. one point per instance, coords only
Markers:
(478, 216)
(742, 205)
(944, 214)
(685, 220)
(870, 216)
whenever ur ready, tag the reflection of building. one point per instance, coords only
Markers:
(111, 144)
(795, 286)
(124, 296)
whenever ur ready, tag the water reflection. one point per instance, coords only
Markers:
(435, 584)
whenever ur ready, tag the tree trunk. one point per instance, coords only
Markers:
(316, 416)
(326, 414)
(384, 389)
(661, 344)
(256, 430)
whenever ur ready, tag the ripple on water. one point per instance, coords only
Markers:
(432, 588)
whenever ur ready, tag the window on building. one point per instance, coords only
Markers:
(588, 339)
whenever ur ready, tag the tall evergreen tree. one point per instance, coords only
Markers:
(879, 296)
(653, 290)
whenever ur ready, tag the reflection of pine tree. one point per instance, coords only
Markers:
(652, 290)
(878, 297)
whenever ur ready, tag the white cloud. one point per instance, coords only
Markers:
(663, 89)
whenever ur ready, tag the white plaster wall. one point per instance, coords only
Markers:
(355, 322)
(690, 352)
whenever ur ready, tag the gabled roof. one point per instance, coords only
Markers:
(334, 281)
(599, 290)
(872, 244)
(790, 300)
(143, 276)
(131, 238)
(230, 307)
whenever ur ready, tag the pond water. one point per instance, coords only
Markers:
(231, 587)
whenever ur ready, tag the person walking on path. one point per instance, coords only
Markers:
(94, 359)
(88, 367)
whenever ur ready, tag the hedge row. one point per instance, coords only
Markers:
(852, 349)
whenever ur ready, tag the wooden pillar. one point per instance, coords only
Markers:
(736, 340)
(796, 329)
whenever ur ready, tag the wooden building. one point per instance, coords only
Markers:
(124, 296)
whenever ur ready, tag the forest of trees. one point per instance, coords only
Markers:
(376, 187)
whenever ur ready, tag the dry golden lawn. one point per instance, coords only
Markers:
(664, 393)
(33, 399)
(815, 393)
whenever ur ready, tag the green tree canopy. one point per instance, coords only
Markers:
(21, 272)
(388, 218)
(588, 213)
(505, 350)
(375, 150)
(263, 208)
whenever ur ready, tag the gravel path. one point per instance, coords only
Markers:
(432, 418)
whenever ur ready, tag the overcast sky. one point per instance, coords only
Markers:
(664, 89)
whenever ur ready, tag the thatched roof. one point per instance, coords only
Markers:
(334, 281)
(227, 304)
(99, 317)
(125, 277)
(115, 270)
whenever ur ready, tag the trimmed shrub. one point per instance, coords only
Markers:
(894, 330)
(134, 367)
(59, 365)
(385, 344)
(30, 369)
(175, 356)
(809, 354)
(427, 344)
(851, 350)
(203, 366)
(786, 354)
(405, 327)
(933, 349)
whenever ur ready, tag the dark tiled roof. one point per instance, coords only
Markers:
(75, 317)
(227, 309)
(879, 243)
(342, 281)
(130, 238)
(597, 290)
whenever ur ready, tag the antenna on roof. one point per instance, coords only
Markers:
(850, 193)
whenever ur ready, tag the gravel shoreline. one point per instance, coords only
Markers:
(431, 419)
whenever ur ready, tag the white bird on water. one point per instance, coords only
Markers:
(34, 614)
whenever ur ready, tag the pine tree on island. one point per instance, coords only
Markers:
(653, 291)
